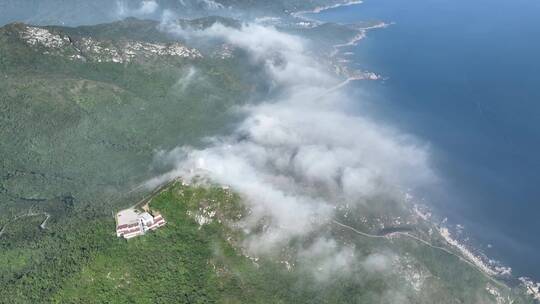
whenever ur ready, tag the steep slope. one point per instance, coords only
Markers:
(76, 106)
(198, 258)
(84, 112)
(94, 12)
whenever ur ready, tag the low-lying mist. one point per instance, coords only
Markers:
(302, 151)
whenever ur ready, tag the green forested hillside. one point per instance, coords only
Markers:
(73, 127)
(189, 262)
(78, 135)
(83, 113)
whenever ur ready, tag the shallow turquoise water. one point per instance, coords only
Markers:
(464, 76)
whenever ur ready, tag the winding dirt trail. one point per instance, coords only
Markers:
(30, 213)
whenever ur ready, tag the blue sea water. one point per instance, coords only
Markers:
(464, 76)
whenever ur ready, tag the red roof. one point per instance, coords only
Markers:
(129, 231)
(127, 226)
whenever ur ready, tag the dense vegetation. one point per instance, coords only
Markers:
(185, 262)
(78, 136)
(86, 131)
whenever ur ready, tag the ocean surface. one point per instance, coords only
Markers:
(464, 77)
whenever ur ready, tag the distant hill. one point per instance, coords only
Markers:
(81, 12)
(85, 108)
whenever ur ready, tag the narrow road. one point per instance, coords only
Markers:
(408, 235)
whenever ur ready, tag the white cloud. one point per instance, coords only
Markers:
(304, 141)
(187, 78)
(211, 5)
(145, 7)
(326, 259)
(206, 4)
(377, 262)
